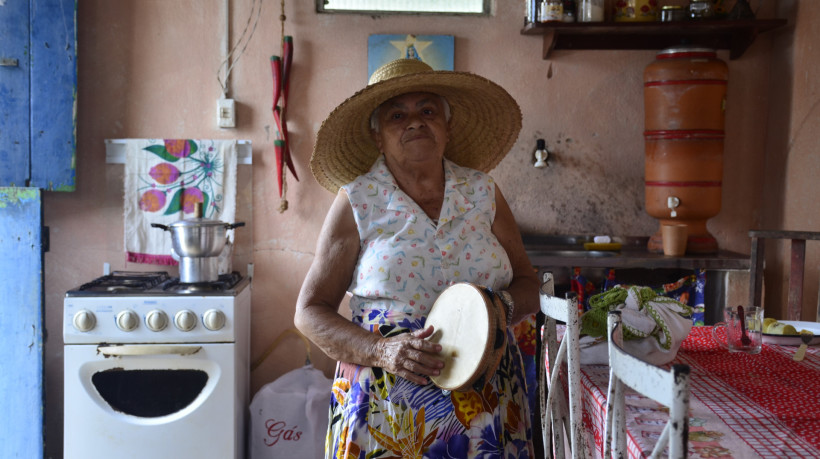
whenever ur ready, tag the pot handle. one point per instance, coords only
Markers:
(161, 226)
(234, 225)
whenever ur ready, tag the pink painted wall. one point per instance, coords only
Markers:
(792, 161)
(148, 68)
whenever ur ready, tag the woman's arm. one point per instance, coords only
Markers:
(524, 285)
(408, 355)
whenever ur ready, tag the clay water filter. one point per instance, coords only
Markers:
(684, 105)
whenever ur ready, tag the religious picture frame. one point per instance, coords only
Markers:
(437, 51)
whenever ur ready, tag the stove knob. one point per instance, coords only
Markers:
(127, 320)
(213, 319)
(84, 320)
(156, 320)
(185, 320)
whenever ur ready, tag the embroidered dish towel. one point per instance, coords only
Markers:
(654, 326)
(164, 179)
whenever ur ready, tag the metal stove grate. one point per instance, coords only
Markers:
(125, 281)
(223, 283)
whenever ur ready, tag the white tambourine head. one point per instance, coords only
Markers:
(462, 328)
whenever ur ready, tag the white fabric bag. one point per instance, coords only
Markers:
(289, 416)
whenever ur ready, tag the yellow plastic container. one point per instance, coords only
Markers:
(636, 10)
(608, 246)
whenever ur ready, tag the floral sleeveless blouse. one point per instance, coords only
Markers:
(406, 261)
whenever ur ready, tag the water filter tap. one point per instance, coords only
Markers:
(672, 202)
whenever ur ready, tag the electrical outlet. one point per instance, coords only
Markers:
(225, 113)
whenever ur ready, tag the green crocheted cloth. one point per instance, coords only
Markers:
(593, 322)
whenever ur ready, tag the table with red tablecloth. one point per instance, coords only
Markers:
(741, 405)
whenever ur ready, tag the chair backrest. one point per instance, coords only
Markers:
(564, 423)
(667, 387)
(796, 268)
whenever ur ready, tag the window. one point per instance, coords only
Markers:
(477, 7)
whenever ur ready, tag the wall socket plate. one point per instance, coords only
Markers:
(225, 113)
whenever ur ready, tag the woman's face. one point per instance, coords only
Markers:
(412, 127)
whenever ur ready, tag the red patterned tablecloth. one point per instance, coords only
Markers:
(741, 405)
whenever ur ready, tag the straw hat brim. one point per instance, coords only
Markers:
(484, 125)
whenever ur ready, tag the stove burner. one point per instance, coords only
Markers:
(224, 282)
(193, 288)
(124, 283)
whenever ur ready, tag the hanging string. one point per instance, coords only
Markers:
(256, 10)
(282, 21)
(283, 203)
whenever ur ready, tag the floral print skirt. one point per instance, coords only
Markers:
(376, 414)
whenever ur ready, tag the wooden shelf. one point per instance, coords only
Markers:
(734, 35)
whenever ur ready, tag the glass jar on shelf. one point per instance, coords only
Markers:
(701, 9)
(569, 13)
(531, 12)
(590, 10)
(672, 13)
(552, 10)
(636, 10)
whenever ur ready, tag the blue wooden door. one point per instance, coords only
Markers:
(38, 81)
(15, 104)
(38, 89)
(21, 323)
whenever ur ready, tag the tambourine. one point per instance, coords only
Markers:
(470, 325)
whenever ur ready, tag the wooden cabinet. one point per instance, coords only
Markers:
(734, 35)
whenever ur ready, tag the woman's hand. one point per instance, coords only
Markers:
(411, 356)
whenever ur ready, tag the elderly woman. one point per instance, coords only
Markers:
(414, 213)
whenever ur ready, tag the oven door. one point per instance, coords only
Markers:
(153, 400)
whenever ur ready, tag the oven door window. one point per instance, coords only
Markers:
(149, 393)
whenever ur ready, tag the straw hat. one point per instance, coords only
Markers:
(484, 124)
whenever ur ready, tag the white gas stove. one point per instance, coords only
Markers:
(156, 368)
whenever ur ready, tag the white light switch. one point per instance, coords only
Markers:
(225, 113)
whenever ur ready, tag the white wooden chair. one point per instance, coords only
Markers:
(555, 417)
(667, 387)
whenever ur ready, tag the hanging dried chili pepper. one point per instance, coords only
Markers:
(281, 84)
(276, 71)
(287, 60)
(279, 147)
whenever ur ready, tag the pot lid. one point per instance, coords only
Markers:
(197, 221)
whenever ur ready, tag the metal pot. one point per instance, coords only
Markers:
(198, 242)
(198, 237)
